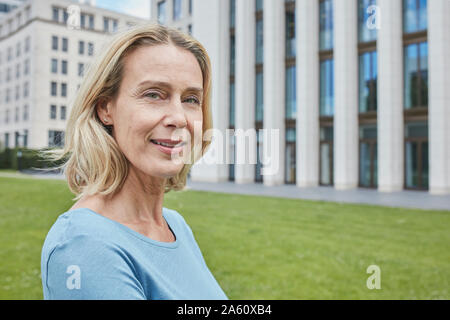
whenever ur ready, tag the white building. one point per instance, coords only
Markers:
(174, 13)
(42, 58)
(359, 89)
(8, 5)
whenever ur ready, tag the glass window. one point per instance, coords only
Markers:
(259, 5)
(6, 139)
(290, 157)
(83, 20)
(365, 15)
(290, 34)
(232, 55)
(53, 89)
(65, 44)
(55, 138)
(416, 130)
(176, 9)
(327, 87)
(290, 135)
(54, 68)
(368, 81)
(80, 69)
(416, 155)
(91, 21)
(232, 13)
(232, 104)
(115, 24)
(105, 24)
(259, 97)
(63, 90)
(416, 75)
(64, 67)
(55, 14)
(326, 25)
(414, 15)
(162, 12)
(52, 112)
(63, 113)
(291, 107)
(368, 132)
(81, 47)
(259, 41)
(54, 42)
(90, 49)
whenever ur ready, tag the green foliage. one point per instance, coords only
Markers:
(29, 159)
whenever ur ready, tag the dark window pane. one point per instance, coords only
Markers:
(259, 97)
(326, 88)
(326, 25)
(368, 82)
(290, 34)
(366, 20)
(411, 165)
(259, 41)
(291, 107)
(414, 15)
(416, 130)
(232, 104)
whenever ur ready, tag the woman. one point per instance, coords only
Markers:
(143, 108)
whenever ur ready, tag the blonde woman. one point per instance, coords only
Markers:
(141, 109)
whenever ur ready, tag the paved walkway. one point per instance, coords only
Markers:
(404, 199)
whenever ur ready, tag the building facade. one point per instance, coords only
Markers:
(174, 13)
(45, 46)
(8, 5)
(358, 90)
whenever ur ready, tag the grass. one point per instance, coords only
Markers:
(258, 247)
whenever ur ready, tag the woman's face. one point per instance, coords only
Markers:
(160, 98)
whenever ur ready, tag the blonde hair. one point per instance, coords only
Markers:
(92, 160)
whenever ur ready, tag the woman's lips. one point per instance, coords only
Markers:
(169, 150)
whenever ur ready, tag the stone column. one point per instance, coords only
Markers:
(211, 28)
(390, 97)
(346, 94)
(245, 92)
(274, 17)
(307, 48)
(439, 95)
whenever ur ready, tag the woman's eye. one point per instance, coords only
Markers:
(153, 95)
(192, 100)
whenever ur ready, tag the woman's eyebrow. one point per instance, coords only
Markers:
(166, 85)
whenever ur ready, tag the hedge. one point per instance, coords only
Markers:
(30, 159)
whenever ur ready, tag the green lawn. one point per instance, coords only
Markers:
(258, 247)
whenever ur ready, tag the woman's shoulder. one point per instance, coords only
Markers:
(71, 224)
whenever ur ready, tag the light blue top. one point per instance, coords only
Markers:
(89, 256)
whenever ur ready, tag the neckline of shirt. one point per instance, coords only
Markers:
(170, 245)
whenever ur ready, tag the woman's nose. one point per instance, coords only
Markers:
(176, 116)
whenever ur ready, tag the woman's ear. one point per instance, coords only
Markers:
(103, 109)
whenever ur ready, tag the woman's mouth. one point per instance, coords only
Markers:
(168, 146)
